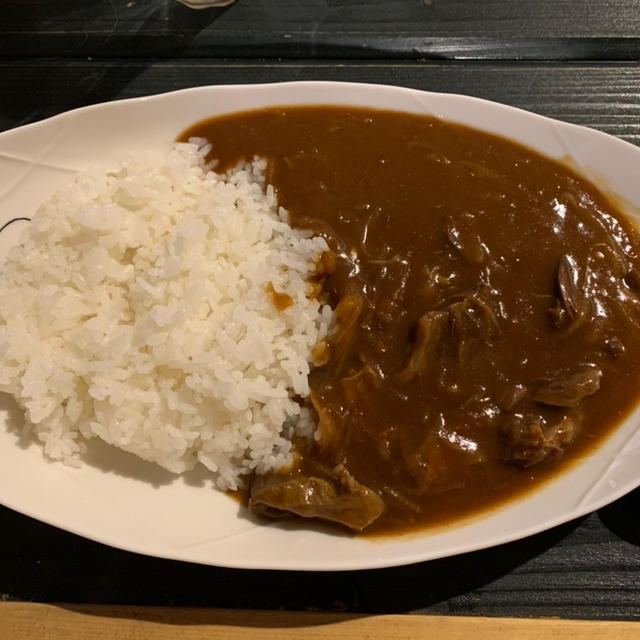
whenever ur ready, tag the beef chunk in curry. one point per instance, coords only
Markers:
(486, 304)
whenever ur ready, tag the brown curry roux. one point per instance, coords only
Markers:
(487, 311)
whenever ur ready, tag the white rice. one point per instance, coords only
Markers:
(136, 310)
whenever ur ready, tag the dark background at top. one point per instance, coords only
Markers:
(382, 29)
(573, 60)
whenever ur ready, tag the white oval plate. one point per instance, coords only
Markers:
(117, 500)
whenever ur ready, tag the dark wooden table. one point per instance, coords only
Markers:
(575, 60)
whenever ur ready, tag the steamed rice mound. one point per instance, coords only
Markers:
(136, 310)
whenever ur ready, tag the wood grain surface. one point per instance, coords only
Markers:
(408, 29)
(605, 96)
(23, 621)
(576, 60)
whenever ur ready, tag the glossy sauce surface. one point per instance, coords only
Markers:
(487, 312)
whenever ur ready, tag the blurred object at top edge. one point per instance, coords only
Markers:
(205, 4)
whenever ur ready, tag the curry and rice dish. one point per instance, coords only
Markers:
(375, 319)
(486, 313)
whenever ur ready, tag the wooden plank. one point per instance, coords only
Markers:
(410, 29)
(24, 621)
(604, 96)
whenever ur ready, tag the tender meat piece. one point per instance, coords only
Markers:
(529, 440)
(460, 329)
(570, 390)
(339, 498)
(570, 295)
(571, 308)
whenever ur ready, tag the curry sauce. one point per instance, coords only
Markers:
(486, 303)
